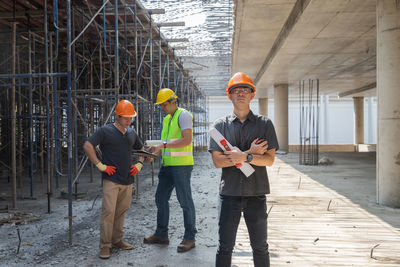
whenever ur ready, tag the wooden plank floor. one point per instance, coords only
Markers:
(311, 224)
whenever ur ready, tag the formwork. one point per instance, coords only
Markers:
(64, 66)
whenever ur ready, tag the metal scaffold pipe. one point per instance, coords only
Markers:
(62, 79)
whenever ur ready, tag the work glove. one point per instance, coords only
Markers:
(110, 170)
(135, 168)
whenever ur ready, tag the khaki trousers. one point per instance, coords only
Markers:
(116, 202)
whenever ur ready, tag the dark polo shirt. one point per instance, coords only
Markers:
(233, 181)
(116, 149)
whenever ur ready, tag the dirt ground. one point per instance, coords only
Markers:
(46, 242)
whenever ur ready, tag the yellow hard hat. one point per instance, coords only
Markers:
(165, 94)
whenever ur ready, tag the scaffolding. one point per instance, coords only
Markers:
(64, 67)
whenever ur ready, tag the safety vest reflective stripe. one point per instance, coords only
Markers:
(178, 153)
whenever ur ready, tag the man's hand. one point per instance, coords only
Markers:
(258, 147)
(236, 156)
(156, 149)
(110, 170)
(149, 159)
(135, 168)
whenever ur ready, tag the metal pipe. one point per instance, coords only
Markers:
(142, 59)
(104, 27)
(116, 66)
(136, 64)
(30, 115)
(91, 114)
(90, 22)
(13, 118)
(151, 77)
(46, 47)
(69, 114)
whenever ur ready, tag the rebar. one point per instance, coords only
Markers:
(309, 122)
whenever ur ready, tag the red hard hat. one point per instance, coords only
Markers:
(240, 79)
(125, 109)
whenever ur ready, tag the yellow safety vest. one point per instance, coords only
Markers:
(175, 156)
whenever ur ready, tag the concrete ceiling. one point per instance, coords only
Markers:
(286, 41)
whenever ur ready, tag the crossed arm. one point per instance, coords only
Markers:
(261, 156)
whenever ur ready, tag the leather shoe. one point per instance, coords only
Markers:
(156, 240)
(123, 245)
(186, 245)
(104, 253)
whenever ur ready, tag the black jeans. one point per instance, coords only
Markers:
(255, 215)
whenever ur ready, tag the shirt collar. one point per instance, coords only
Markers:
(232, 117)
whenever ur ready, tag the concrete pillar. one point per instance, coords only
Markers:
(370, 120)
(263, 106)
(281, 105)
(358, 120)
(388, 91)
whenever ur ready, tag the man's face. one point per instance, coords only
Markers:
(167, 107)
(124, 121)
(241, 95)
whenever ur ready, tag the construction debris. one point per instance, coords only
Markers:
(325, 161)
(19, 218)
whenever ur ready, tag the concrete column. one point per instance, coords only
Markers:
(358, 120)
(263, 106)
(326, 120)
(370, 120)
(388, 91)
(281, 105)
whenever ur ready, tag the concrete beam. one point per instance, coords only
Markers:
(358, 90)
(21, 14)
(294, 16)
(178, 40)
(171, 24)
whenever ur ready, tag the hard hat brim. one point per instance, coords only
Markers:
(128, 116)
(241, 85)
(171, 98)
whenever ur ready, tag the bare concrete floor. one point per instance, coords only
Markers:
(318, 216)
(328, 216)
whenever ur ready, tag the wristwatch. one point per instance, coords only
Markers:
(249, 158)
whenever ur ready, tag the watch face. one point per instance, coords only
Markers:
(249, 157)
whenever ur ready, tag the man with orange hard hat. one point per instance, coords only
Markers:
(254, 140)
(116, 141)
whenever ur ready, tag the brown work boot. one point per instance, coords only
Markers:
(104, 253)
(123, 245)
(156, 240)
(186, 245)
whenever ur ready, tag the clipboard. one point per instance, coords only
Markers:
(144, 153)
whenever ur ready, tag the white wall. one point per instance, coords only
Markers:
(220, 106)
(336, 118)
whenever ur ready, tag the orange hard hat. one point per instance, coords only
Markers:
(125, 109)
(240, 79)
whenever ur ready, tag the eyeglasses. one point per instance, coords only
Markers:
(243, 90)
